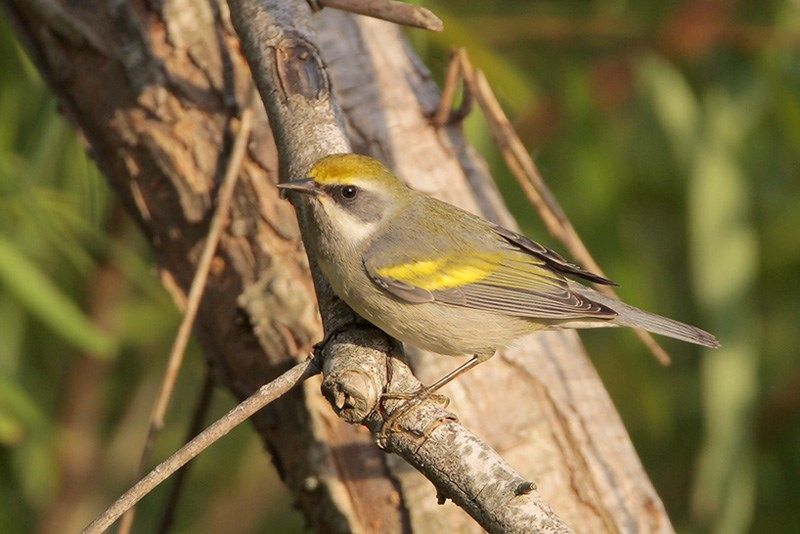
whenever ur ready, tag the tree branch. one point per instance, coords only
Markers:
(397, 12)
(266, 394)
(295, 88)
(458, 463)
(176, 354)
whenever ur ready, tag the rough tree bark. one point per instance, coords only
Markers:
(152, 87)
(296, 91)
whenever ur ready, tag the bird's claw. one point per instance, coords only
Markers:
(411, 401)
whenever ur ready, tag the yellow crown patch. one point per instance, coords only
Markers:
(345, 168)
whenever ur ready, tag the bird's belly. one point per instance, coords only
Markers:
(441, 328)
(432, 326)
(452, 330)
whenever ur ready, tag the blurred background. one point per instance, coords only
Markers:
(669, 131)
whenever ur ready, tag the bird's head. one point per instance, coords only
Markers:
(349, 194)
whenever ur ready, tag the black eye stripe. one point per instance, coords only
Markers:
(368, 207)
(342, 192)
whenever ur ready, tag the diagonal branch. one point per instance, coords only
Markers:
(459, 464)
(201, 409)
(175, 360)
(239, 414)
(358, 361)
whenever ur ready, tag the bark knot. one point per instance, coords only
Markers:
(352, 394)
(300, 69)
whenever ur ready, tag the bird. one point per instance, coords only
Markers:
(442, 279)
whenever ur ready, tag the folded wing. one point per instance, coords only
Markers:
(509, 275)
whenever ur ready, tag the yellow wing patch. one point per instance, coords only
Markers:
(443, 273)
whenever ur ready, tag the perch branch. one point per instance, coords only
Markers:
(461, 466)
(239, 414)
(391, 10)
(193, 303)
(525, 171)
(359, 362)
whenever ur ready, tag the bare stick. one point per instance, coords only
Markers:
(444, 113)
(397, 12)
(461, 466)
(200, 412)
(530, 180)
(193, 303)
(265, 394)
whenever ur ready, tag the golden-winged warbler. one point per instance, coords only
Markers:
(442, 279)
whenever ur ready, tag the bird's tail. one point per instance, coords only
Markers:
(629, 316)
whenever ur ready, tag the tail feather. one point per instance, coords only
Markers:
(629, 316)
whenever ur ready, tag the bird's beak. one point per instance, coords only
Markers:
(305, 186)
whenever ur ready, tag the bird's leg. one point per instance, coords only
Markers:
(445, 115)
(412, 400)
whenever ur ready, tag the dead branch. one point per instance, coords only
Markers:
(459, 464)
(195, 427)
(391, 10)
(266, 394)
(175, 360)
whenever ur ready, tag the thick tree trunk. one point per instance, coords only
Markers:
(153, 87)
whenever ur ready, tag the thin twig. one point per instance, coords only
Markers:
(530, 180)
(199, 417)
(397, 12)
(444, 114)
(265, 394)
(193, 303)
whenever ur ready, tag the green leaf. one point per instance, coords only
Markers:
(11, 430)
(46, 301)
(673, 102)
(18, 411)
(725, 249)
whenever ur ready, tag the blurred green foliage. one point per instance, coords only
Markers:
(670, 132)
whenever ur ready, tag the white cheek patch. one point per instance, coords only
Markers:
(351, 229)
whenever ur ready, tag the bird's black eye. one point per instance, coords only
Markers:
(349, 192)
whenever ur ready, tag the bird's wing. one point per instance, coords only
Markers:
(552, 259)
(488, 272)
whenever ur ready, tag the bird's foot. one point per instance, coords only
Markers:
(411, 401)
